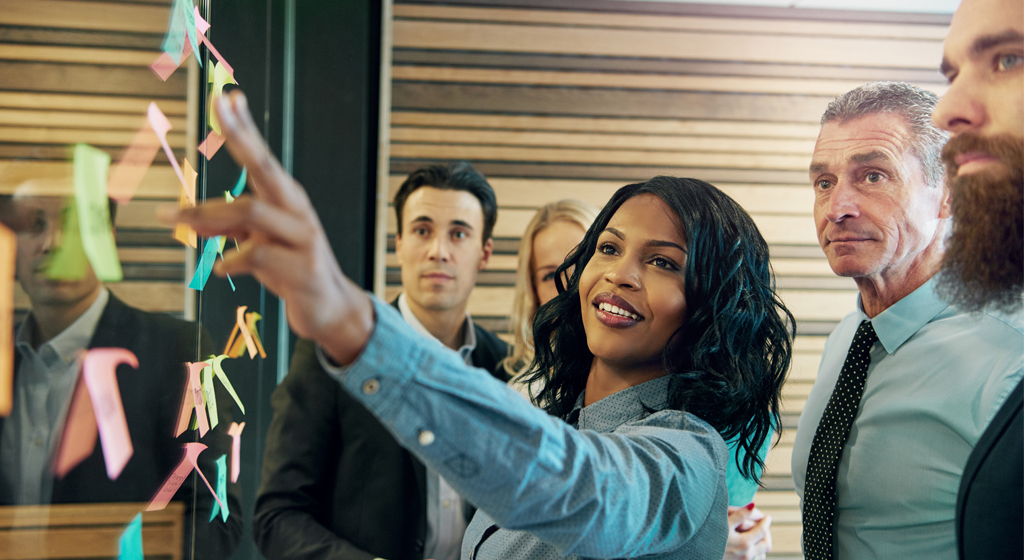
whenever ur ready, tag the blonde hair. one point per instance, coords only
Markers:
(525, 304)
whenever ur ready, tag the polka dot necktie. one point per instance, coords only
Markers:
(827, 448)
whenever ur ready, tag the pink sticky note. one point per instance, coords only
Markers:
(131, 167)
(235, 431)
(201, 25)
(177, 477)
(249, 344)
(100, 372)
(212, 143)
(163, 66)
(78, 438)
(188, 402)
(160, 125)
(209, 45)
(197, 395)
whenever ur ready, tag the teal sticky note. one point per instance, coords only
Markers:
(189, 17)
(237, 191)
(130, 545)
(222, 489)
(174, 40)
(205, 265)
(90, 172)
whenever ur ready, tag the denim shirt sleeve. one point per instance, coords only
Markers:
(588, 494)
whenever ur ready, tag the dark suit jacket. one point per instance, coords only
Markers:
(990, 504)
(335, 483)
(151, 396)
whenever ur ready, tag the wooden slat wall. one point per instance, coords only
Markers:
(557, 103)
(78, 71)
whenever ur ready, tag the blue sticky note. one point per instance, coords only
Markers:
(222, 489)
(205, 265)
(237, 191)
(130, 545)
(174, 41)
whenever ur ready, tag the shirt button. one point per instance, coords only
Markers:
(426, 437)
(371, 387)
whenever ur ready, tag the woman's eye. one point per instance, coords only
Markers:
(1008, 62)
(548, 277)
(661, 262)
(606, 249)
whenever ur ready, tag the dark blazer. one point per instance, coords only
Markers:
(990, 504)
(151, 396)
(335, 483)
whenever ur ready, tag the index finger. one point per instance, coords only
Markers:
(269, 180)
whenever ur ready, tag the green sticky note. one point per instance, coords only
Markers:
(130, 545)
(227, 382)
(222, 489)
(94, 212)
(68, 261)
(210, 396)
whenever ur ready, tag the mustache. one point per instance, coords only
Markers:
(1006, 148)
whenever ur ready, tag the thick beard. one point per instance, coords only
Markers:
(984, 261)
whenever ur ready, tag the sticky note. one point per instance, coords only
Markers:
(68, 261)
(210, 396)
(163, 66)
(174, 40)
(251, 319)
(189, 18)
(197, 396)
(97, 233)
(222, 489)
(190, 182)
(205, 265)
(211, 145)
(131, 167)
(223, 377)
(235, 431)
(201, 25)
(78, 438)
(183, 233)
(129, 547)
(173, 482)
(189, 400)
(161, 126)
(8, 255)
(219, 77)
(99, 369)
(201, 28)
(239, 185)
(242, 328)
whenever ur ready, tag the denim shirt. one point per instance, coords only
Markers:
(625, 483)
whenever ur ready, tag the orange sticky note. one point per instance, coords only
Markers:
(8, 254)
(240, 327)
(78, 438)
(190, 182)
(183, 233)
(192, 400)
(254, 333)
(170, 486)
(99, 370)
(131, 167)
(212, 143)
(161, 126)
(235, 431)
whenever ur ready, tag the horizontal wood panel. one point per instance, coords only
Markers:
(39, 135)
(77, 55)
(752, 47)
(598, 156)
(726, 84)
(151, 254)
(607, 102)
(86, 15)
(696, 127)
(54, 177)
(68, 119)
(620, 142)
(140, 214)
(661, 21)
(161, 297)
(85, 103)
(91, 79)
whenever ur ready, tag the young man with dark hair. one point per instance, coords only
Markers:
(335, 483)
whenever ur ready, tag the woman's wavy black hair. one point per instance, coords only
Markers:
(731, 354)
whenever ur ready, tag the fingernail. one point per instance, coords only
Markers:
(167, 214)
(749, 507)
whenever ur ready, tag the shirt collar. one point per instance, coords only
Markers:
(900, 321)
(469, 333)
(71, 340)
(628, 404)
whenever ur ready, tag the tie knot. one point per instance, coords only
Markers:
(865, 334)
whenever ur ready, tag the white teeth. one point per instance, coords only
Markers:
(614, 310)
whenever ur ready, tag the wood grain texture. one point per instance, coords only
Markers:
(73, 14)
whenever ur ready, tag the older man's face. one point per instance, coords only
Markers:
(984, 113)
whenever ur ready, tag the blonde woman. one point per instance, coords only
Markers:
(555, 230)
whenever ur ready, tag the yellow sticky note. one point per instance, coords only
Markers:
(219, 76)
(8, 253)
(90, 170)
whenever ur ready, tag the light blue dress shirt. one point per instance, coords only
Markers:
(937, 376)
(628, 483)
